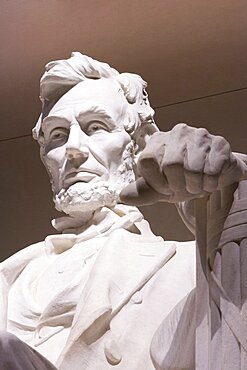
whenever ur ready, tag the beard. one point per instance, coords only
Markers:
(84, 197)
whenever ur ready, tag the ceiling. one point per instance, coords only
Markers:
(192, 53)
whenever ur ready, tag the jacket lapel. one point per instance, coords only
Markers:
(124, 265)
(9, 272)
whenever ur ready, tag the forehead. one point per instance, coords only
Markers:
(104, 93)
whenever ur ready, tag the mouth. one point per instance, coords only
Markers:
(75, 177)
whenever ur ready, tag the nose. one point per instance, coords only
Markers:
(76, 147)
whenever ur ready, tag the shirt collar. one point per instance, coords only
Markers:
(103, 223)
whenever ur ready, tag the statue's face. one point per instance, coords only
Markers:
(85, 146)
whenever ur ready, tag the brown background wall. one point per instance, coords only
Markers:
(193, 54)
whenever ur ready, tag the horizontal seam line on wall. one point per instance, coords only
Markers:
(15, 137)
(155, 108)
(201, 97)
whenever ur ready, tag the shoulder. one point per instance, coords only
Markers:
(12, 266)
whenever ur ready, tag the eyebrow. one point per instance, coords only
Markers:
(48, 120)
(92, 109)
(99, 110)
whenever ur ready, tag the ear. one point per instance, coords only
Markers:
(37, 128)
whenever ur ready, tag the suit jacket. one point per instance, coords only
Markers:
(135, 284)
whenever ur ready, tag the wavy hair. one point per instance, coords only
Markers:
(61, 75)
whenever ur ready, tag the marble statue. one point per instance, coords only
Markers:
(105, 292)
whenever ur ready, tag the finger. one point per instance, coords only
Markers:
(233, 171)
(155, 147)
(218, 156)
(197, 154)
(139, 193)
(210, 183)
(194, 182)
(151, 171)
(194, 162)
(174, 175)
(149, 164)
(195, 158)
(173, 162)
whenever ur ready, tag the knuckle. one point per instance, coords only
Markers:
(180, 126)
(173, 159)
(203, 132)
(180, 133)
(158, 138)
(221, 145)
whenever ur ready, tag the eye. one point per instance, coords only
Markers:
(58, 134)
(96, 126)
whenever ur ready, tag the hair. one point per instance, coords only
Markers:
(61, 75)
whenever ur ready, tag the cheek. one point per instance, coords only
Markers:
(54, 160)
(111, 147)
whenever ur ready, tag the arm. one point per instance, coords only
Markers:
(182, 165)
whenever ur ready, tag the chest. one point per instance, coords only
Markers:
(54, 276)
(47, 277)
(131, 331)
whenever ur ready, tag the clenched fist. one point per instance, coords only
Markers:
(183, 164)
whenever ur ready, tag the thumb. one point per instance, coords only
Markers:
(139, 193)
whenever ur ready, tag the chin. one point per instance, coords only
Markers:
(85, 197)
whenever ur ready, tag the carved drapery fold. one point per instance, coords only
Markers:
(221, 232)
